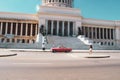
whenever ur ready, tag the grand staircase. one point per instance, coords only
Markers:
(72, 42)
(97, 46)
(79, 43)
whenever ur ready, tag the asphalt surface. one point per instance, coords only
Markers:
(58, 66)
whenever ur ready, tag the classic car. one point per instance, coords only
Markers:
(61, 49)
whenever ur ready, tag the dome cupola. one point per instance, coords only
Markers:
(58, 3)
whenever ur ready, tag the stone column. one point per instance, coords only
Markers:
(31, 30)
(92, 32)
(103, 32)
(57, 27)
(46, 26)
(11, 31)
(16, 31)
(21, 32)
(99, 33)
(36, 30)
(63, 28)
(11, 28)
(95, 33)
(52, 27)
(68, 28)
(88, 31)
(73, 28)
(84, 30)
(26, 32)
(21, 29)
(6, 28)
(117, 36)
(106, 33)
(1, 30)
(26, 29)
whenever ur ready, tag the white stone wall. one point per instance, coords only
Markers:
(41, 22)
(59, 10)
(78, 24)
(60, 14)
(118, 36)
(117, 33)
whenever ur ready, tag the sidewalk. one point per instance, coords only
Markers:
(13, 52)
(6, 53)
(73, 51)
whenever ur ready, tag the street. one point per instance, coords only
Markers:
(59, 66)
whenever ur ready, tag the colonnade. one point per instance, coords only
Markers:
(61, 28)
(102, 35)
(18, 32)
(98, 33)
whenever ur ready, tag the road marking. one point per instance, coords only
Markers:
(33, 63)
(71, 55)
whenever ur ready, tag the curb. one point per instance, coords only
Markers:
(97, 56)
(8, 55)
(73, 51)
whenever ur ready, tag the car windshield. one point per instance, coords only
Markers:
(61, 47)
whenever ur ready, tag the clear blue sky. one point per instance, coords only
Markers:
(98, 9)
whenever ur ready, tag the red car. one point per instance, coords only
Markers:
(61, 49)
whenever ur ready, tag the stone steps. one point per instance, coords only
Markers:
(54, 41)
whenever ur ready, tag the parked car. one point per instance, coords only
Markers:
(61, 49)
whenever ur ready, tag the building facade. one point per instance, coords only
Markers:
(59, 18)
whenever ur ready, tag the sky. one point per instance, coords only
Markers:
(97, 9)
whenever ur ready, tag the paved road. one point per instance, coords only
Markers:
(48, 66)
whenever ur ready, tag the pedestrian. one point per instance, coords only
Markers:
(43, 46)
(90, 49)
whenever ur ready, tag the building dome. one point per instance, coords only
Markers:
(59, 3)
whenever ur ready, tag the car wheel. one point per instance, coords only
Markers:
(66, 51)
(53, 51)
